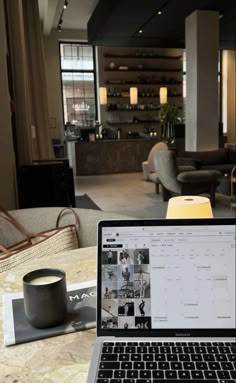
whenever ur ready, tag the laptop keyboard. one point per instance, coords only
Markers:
(152, 362)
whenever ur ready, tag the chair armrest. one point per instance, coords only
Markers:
(199, 176)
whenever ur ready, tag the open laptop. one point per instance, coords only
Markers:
(166, 307)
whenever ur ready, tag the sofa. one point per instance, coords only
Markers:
(185, 182)
(39, 219)
(223, 160)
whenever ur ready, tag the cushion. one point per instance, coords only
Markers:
(185, 161)
(199, 176)
(186, 169)
(223, 168)
(208, 157)
(154, 178)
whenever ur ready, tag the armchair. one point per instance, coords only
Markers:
(183, 182)
(149, 171)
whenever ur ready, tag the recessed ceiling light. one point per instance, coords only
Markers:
(140, 31)
(159, 13)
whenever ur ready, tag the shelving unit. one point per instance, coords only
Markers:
(143, 56)
(130, 69)
(148, 70)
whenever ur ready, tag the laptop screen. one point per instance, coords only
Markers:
(163, 277)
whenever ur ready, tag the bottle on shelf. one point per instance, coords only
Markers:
(118, 133)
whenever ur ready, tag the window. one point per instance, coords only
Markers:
(78, 84)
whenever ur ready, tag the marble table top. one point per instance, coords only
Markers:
(60, 359)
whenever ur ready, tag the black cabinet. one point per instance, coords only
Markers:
(46, 183)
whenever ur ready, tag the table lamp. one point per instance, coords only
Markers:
(189, 207)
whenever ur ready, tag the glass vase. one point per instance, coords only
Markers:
(168, 133)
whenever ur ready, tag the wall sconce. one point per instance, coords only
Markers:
(189, 207)
(163, 95)
(133, 94)
(103, 95)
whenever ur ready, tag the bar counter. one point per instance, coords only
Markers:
(112, 156)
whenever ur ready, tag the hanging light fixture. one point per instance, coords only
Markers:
(133, 94)
(66, 2)
(103, 95)
(163, 95)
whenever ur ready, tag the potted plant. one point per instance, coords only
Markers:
(168, 115)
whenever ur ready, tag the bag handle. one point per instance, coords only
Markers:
(7, 216)
(5, 251)
(62, 213)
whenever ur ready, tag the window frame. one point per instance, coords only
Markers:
(93, 71)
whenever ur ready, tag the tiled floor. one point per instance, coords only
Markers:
(129, 194)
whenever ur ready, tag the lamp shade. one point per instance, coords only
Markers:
(103, 95)
(163, 95)
(189, 207)
(133, 93)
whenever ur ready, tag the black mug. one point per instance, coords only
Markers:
(45, 298)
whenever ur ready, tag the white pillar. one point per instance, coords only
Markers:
(229, 94)
(202, 42)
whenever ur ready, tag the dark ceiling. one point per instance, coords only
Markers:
(117, 22)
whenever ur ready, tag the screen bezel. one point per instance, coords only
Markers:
(208, 332)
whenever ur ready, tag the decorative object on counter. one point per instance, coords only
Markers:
(123, 67)
(133, 96)
(118, 133)
(140, 66)
(163, 95)
(103, 95)
(168, 116)
(112, 65)
(133, 134)
(92, 137)
(104, 133)
(98, 128)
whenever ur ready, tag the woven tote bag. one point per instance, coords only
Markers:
(36, 245)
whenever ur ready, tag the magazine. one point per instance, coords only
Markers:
(81, 315)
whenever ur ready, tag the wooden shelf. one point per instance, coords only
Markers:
(133, 110)
(133, 123)
(108, 82)
(147, 70)
(148, 97)
(137, 110)
(144, 70)
(142, 57)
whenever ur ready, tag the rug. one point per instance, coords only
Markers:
(85, 202)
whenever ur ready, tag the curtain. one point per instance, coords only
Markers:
(28, 81)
